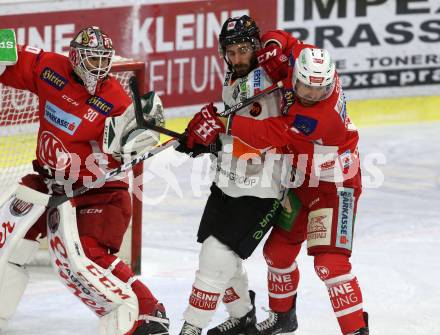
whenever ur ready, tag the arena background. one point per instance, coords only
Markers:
(387, 51)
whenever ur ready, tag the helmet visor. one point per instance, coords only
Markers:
(313, 93)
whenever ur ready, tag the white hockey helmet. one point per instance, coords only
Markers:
(91, 54)
(314, 74)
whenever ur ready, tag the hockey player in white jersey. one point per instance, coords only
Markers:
(245, 196)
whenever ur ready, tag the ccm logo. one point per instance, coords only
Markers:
(73, 102)
(91, 211)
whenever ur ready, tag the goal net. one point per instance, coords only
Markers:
(18, 138)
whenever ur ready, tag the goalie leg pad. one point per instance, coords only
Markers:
(97, 287)
(11, 290)
(15, 279)
(16, 217)
(217, 266)
(99, 254)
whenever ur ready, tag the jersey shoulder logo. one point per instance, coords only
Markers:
(62, 120)
(53, 79)
(304, 124)
(100, 105)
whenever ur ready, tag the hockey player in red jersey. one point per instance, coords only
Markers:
(244, 199)
(321, 205)
(78, 100)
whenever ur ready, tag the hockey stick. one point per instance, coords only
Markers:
(162, 130)
(141, 123)
(57, 200)
(250, 100)
(136, 98)
(225, 113)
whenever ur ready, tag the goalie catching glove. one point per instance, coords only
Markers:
(124, 138)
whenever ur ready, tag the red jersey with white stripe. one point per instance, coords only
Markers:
(321, 137)
(71, 120)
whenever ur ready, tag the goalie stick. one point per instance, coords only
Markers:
(135, 96)
(141, 123)
(57, 200)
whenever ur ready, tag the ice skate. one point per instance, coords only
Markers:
(233, 326)
(276, 323)
(189, 329)
(156, 324)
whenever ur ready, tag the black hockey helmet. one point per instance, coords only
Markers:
(239, 30)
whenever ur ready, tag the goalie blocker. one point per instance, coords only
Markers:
(8, 49)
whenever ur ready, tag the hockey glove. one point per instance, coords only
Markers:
(204, 127)
(124, 139)
(199, 149)
(273, 61)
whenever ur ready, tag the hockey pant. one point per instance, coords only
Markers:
(327, 225)
(220, 276)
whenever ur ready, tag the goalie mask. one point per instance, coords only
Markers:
(91, 53)
(314, 76)
(244, 33)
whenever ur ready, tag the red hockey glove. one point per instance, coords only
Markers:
(273, 61)
(204, 127)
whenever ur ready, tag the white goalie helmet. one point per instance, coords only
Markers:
(314, 75)
(91, 54)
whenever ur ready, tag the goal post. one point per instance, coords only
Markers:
(18, 138)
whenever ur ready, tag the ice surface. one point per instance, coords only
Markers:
(396, 250)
